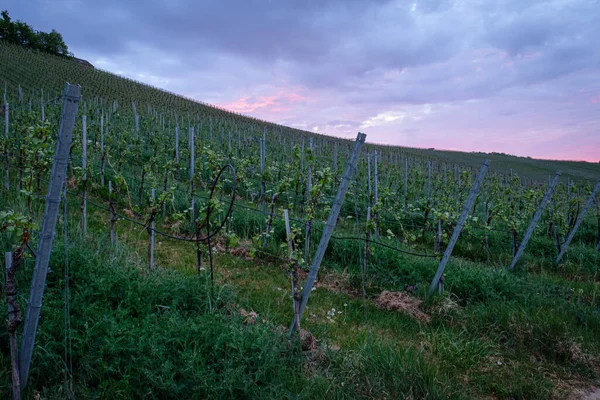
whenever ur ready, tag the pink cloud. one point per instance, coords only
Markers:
(276, 103)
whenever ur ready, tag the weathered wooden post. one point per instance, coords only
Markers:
(331, 222)
(11, 293)
(293, 273)
(113, 217)
(376, 193)
(578, 222)
(459, 225)
(308, 224)
(177, 144)
(6, 153)
(71, 100)
(263, 190)
(192, 167)
(536, 218)
(151, 247)
(405, 184)
(84, 176)
(102, 155)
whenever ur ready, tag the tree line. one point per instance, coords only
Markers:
(22, 34)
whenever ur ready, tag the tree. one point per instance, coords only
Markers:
(24, 35)
(52, 43)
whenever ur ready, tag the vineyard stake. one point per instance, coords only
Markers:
(6, 153)
(102, 149)
(376, 184)
(6, 118)
(84, 177)
(369, 191)
(579, 220)
(459, 225)
(111, 208)
(192, 167)
(331, 222)
(177, 144)
(536, 218)
(367, 244)
(71, 100)
(151, 248)
(10, 297)
(307, 227)
(405, 184)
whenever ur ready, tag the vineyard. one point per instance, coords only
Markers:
(193, 242)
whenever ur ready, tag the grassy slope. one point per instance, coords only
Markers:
(34, 71)
(494, 333)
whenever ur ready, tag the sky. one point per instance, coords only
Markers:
(510, 76)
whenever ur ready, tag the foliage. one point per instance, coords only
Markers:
(20, 33)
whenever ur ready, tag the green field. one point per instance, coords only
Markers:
(532, 332)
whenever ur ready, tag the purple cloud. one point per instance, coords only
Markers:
(509, 76)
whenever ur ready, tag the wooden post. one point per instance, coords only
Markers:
(438, 237)
(84, 177)
(102, 156)
(578, 222)
(376, 186)
(331, 222)
(6, 153)
(307, 227)
(536, 218)
(11, 293)
(192, 167)
(71, 100)
(367, 243)
(113, 219)
(459, 225)
(6, 118)
(151, 247)
(369, 187)
(177, 144)
(293, 273)
(405, 184)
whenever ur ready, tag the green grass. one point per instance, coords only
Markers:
(493, 333)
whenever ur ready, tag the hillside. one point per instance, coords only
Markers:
(35, 71)
(187, 240)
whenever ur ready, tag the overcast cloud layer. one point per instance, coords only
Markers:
(514, 76)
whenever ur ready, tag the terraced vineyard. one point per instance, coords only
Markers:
(147, 163)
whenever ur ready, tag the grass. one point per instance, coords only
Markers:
(493, 333)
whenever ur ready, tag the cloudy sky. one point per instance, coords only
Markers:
(513, 76)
